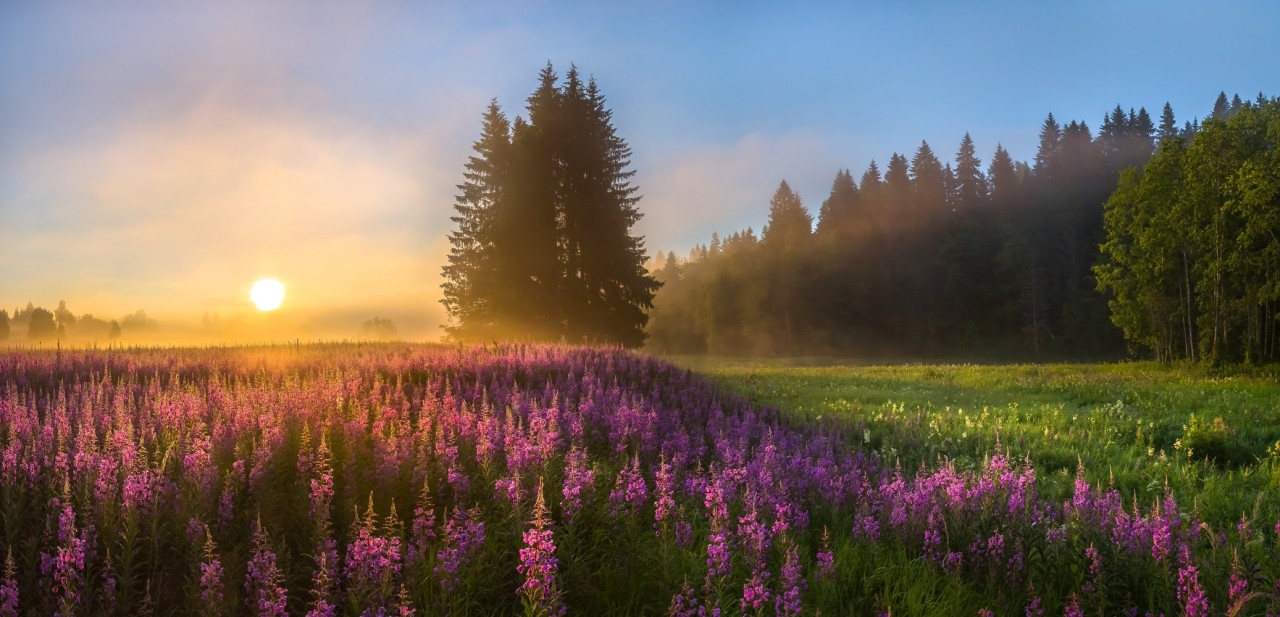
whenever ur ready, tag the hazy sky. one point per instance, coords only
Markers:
(165, 155)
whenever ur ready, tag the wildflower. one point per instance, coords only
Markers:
(1033, 607)
(788, 601)
(372, 561)
(463, 535)
(1192, 597)
(578, 479)
(685, 603)
(826, 558)
(9, 588)
(1073, 608)
(262, 577)
(755, 592)
(66, 564)
(538, 565)
(718, 553)
(211, 575)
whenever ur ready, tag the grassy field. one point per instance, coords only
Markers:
(1213, 438)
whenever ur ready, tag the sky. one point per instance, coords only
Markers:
(164, 156)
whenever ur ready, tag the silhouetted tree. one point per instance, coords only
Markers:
(472, 284)
(4, 324)
(543, 247)
(380, 328)
(41, 326)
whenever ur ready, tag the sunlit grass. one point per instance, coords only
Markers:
(1212, 436)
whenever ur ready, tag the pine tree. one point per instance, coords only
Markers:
(4, 324)
(1050, 145)
(1168, 127)
(471, 278)
(971, 184)
(790, 225)
(1221, 107)
(839, 212)
(543, 247)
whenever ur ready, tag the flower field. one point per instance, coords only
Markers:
(538, 480)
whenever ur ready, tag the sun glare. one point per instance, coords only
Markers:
(267, 294)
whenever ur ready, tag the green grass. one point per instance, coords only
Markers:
(1212, 437)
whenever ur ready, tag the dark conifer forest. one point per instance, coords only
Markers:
(948, 256)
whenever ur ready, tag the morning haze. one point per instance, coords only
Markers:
(164, 159)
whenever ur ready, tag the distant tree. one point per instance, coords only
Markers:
(41, 326)
(138, 322)
(1221, 107)
(928, 182)
(1050, 146)
(839, 213)
(971, 184)
(4, 324)
(65, 319)
(114, 333)
(790, 225)
(380, 328)
(1168, 127)
(89, 326)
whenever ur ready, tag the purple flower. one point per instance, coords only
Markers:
(66, 564)
(1073, 608)
(372, 561)
(211, 578)
(755, 592)
(788, 602)
(262, 577)
(629, 491)
(578, 480)
(538, 564)
(1190, 595)
(1033, 607)
(826, 558)
(718, 553)
(685, 603)
(9, 588)
(463, 536)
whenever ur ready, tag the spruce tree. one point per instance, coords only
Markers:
(471, 278)
(543, 248)
(1168, 127)
(971, 184)
(839, 212)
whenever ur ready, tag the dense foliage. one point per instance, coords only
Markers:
(543, 248)
(1192, 256)
(929, 259)
(368, 480)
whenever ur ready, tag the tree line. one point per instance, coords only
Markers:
(542, 248)
(42, 325)
(1191, 260)
(932, 259)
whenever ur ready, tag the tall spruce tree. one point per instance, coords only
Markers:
(971, 184)
(839, 212)
(471, 279)
(543, 249)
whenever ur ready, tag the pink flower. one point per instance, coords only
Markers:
(755, 592)
(538, 564)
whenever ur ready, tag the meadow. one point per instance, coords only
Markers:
(542, 480)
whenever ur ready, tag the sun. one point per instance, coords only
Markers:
(267, 294)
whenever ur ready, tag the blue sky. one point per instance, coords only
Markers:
(163, 155)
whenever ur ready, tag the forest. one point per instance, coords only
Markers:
(927, 259)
